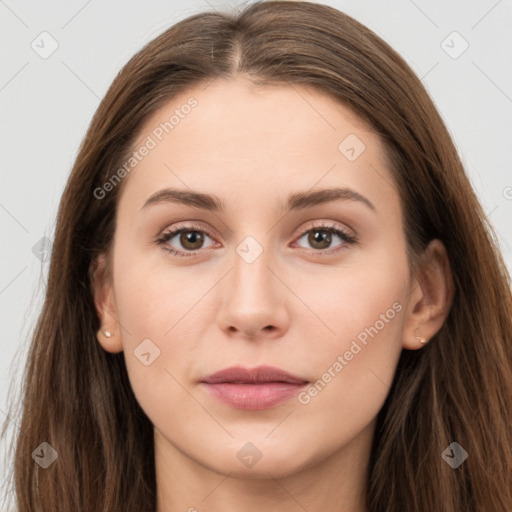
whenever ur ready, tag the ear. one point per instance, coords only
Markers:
(102, 290)
(431, 297)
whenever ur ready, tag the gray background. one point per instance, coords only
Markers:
(47, 104)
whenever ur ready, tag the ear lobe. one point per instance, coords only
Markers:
(103, 295)
(431, 297)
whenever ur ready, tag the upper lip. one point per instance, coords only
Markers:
(259, 374)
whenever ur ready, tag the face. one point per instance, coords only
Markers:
(281, 274)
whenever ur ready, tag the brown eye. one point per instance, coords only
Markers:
(184, 241)
(320, 239)
(191, 240)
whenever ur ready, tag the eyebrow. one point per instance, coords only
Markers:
(296, 201)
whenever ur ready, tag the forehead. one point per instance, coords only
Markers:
(233, 135)
(242, 110)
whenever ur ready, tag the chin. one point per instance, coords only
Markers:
(261, 459)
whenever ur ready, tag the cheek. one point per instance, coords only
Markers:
(362, 302)
(354, 360)
(152, 299)
(156, 308)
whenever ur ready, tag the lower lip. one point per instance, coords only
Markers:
(254, 396)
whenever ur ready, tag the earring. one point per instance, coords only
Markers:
(107, 334)
(421, 339)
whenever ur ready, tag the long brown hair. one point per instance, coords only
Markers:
(78, 398)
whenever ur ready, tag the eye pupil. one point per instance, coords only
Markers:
(191, 237)
(322, 237)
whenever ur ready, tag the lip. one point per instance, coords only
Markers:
(256, 388)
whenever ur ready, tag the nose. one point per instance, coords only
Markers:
(253, 304)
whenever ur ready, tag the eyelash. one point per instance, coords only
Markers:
(345, 236)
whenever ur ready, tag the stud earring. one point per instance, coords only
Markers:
(421, 339)
(107, 334)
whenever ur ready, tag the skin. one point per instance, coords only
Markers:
(252, 147)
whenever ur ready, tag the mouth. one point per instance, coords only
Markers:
(257, 388)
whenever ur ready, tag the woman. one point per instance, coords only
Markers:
(271, 286)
